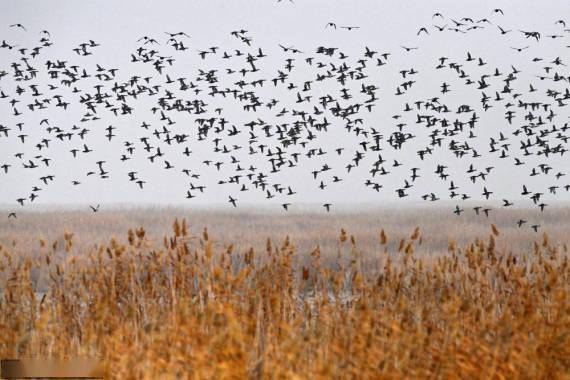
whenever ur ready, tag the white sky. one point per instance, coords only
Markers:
(384, 26)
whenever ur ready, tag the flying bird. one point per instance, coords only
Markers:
(422, 29)
(18, 26)
(520, 49)
(283, 105)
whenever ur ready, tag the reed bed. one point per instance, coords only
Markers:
(191, 306)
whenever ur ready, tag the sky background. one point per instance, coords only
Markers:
(383, 26)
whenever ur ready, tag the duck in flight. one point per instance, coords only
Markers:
(286, 144)
(350, 27)
(18, 26)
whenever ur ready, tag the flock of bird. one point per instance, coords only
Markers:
(285, 118)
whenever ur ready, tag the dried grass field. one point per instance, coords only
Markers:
(382, 293)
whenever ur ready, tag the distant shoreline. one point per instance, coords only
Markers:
(339, 207)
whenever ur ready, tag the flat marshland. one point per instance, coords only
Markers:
(175, 293)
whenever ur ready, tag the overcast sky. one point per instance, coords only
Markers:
(383, 26)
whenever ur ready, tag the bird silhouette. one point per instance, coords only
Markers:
(422, 29)
(18, 26)
(286, 105)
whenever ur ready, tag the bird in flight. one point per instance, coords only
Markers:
(12, 215)
(18, 26)
(248, 155)
(520, 49)
(172, 35)
(503, 31)
(422, 29)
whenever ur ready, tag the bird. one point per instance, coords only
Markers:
(422, 29)
(520, 49)
(12, 215)
(18, 26)
(172, 35)
(503, 31)
(270, 134)
(440, 28)
(94, 209)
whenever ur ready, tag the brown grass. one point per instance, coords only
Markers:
(192, 304)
